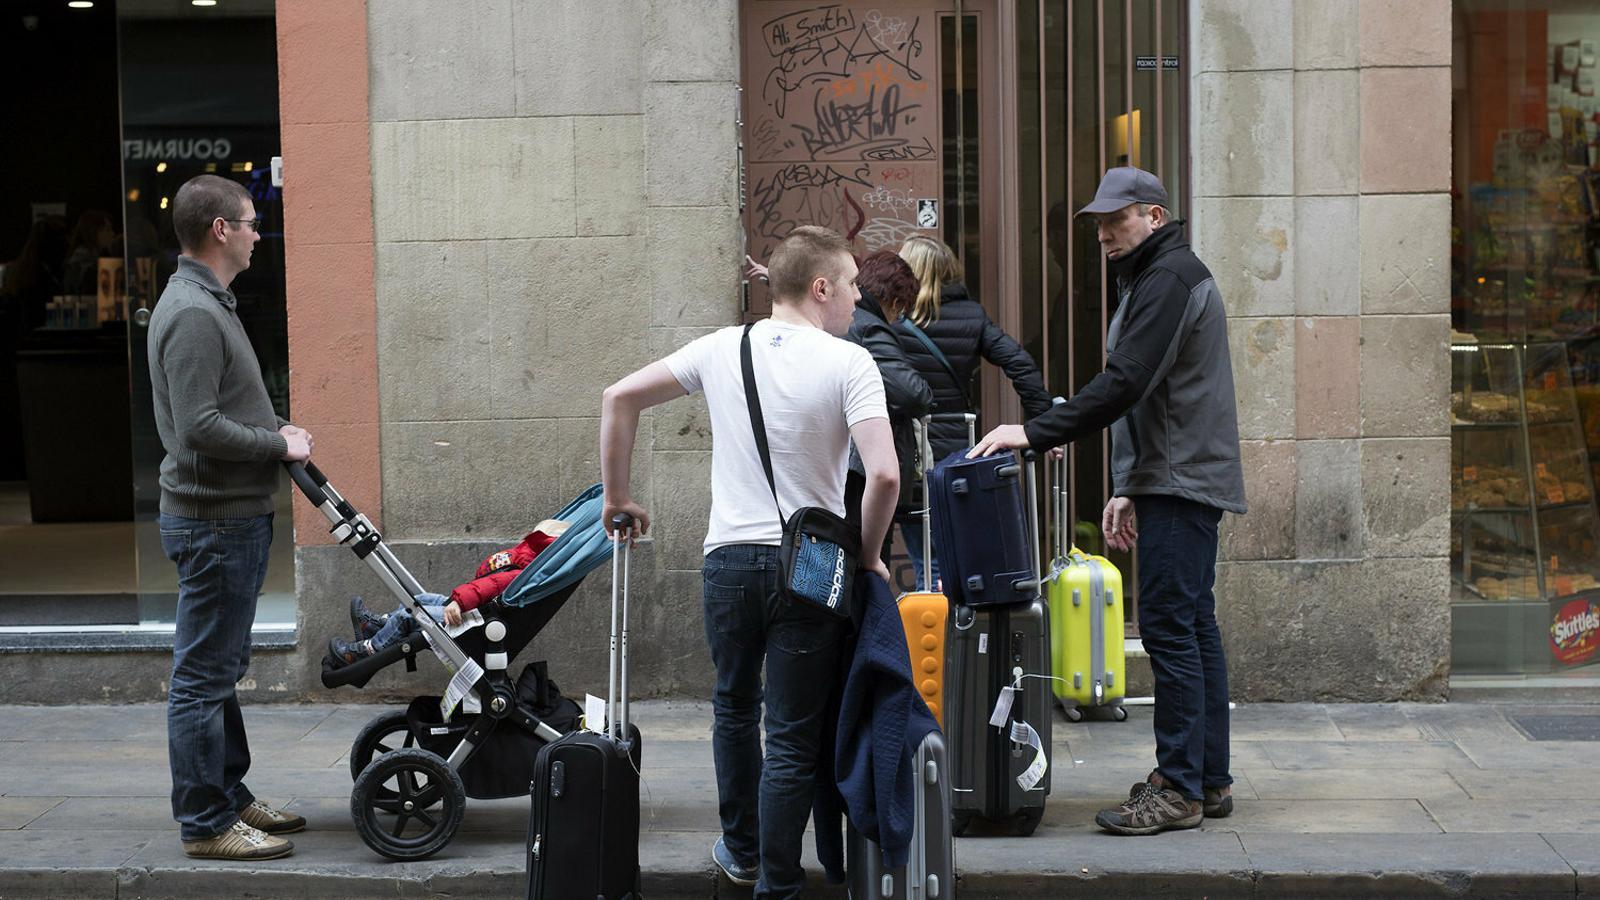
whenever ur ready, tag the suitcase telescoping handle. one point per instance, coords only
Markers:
(970, 419)
(617, 664)
(1058, 474)
(920, 428)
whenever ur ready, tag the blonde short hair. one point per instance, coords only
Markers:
(935, 265)
(808, 253)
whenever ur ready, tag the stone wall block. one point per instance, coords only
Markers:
(1405, 486)
(1247, 243)
(1329, 517)
(681, 506)
(433, 331)
(1328, 259)
(1405, 32)
(1326, 34)
(1405, 253)
(1267, 532)
(1242, 35)
(1327, 377)
(692, 40)
(1405, 376)
(691, 144)
(578, 57)
(473, 178)
(1263, 376)
(1327, 146)
(1241, 152)
(466, 479)
(577, 467)
(689, 251)
(428, 65)
(1405, 130)
(610, 175)
(1259, 609)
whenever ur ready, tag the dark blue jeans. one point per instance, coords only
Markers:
(911, 533)
(221, 564)
(1178, 623)
(765, 806)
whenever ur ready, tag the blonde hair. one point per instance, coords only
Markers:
(935, 265)
(809, 252)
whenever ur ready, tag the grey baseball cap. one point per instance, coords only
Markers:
(1123, 186)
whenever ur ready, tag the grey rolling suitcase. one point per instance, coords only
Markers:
(930, 871)
(1000, 772)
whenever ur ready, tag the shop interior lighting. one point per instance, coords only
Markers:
(163, 202)
(133, 196)
(204, 2)
(248, 165)
(81, 4)
(161, 167)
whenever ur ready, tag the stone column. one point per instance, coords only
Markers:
(1322, 169)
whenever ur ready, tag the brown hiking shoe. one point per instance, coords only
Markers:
(239, 842)
(1150, 810)
(1218, 803)
(264, 818)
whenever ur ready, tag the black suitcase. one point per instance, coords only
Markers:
(583, 837)
(993, 776)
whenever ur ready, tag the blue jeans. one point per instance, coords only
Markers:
(911, 533)
(765, 806)
(1178, 623)
(400, 622)
(221, 565)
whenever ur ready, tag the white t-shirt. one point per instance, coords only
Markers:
(813, 387)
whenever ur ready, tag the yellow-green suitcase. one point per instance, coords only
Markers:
(1088, 658)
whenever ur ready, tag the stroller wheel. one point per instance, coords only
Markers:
(424, 806)
(387, 732)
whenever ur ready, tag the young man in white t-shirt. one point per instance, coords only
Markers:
(818, 393)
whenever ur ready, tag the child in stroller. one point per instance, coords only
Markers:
(415, 767)
(375, 633)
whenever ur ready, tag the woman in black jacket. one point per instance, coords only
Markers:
(887, 290)
(946, 315)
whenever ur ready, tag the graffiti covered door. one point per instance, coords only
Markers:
(841, 123)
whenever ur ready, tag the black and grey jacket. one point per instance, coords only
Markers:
(964, 334)
(1167, 389)
(904, 391)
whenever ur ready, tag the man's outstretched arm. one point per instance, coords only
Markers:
(620, 406)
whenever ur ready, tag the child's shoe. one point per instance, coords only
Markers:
(343, 652)
(365, 623)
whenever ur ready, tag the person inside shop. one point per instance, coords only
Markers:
(1167, 395)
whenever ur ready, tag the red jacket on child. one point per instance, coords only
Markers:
(498, 569)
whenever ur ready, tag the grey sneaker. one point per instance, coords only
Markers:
(1218, 803)
(743, 876)
(1150, 810)
(262, 817)
(239, 842)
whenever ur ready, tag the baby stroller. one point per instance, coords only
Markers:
(414, 769)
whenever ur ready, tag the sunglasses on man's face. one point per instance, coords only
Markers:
(255, 224)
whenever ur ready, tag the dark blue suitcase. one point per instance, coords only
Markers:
(980, 530)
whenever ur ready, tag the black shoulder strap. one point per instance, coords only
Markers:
(752, 399)
(938, 355)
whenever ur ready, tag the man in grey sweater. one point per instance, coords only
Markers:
(224, 444)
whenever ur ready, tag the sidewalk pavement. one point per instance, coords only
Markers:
(1332, 800)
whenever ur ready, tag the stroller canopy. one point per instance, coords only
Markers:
(581, 550)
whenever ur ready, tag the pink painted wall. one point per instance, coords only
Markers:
(328, 237)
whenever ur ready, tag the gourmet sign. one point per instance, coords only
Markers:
(1575, 632)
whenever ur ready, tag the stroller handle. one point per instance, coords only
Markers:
(310, 480)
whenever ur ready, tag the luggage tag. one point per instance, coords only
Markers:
(1023, 733)
(1002, 707)
(594, 714)
(460, 684)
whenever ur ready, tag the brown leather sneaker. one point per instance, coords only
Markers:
(1150, 810)
(262, 817)
(1218, 803)
(239, 842)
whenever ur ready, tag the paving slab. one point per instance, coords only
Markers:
(84, 849)
(1327, 816)
(1352, 784)
(1094, 864)
(18, 812)
(1373, 722)
(1362, 754)
(1460, 721)
(1387, 865)
(1515, 784)
(1264, 722)
(1576, 814)
(1582, 852)
(1526, 754)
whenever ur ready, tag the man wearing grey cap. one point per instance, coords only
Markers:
(1167, 395)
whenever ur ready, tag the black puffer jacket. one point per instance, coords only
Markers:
(905, 392)
(965, 335)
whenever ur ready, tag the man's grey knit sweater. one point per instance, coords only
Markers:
(212, 410)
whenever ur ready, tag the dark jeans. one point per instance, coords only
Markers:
(765, 806)
(911, 533)
(1178, 623)
(221, 564)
